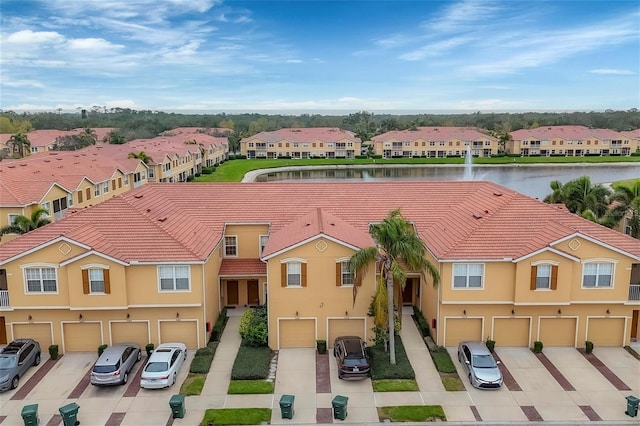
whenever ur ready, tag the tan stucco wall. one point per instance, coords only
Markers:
(248, 237)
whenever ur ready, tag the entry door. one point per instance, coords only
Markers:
(3, 331)
(252, 293)
(407, 293)
(634, 324)
(232, 292)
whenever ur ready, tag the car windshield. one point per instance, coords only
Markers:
(7, 362)
(483, 361)
(156, 367)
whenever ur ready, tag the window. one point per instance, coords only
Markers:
(41, 280)
(96, 280)
(12, 218)
(467, 275)
(231, 245)
(344, 277)
(544, 277)
(105, 188)
(174, 278)
(597, 275)
(263, 243)
(126, 179)
(293, 274)
(96, 190)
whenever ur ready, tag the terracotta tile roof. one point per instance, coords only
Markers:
(566, 133)
(191, 130)
(231, 267)
(434, 134)
(185, 222)
(632, 134)
(305, 134)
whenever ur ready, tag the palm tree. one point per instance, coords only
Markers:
(628, 201)
(20, 144)
(88, 137)
(581, 195)
(142, 156)
(396, 244)
(557, 196)
(22, 224)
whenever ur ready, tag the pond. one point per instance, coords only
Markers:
(529, 179)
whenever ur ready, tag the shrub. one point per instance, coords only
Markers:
(382, 368)
(321, 345)
(254, 327)
(421, 322)
(537, 347)
(251, 363)
(149, 348)
(201, 362)
(491, 344)
(588, 346)
(218, 327)
(442, 360)
(101, 349)
(53, 351)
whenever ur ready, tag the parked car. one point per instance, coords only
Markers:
(351, 356)
(15, 359)
(479, 365)
(115, 364)
(163, 366)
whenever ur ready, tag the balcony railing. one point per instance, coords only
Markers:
(4, 298)
(634, 292)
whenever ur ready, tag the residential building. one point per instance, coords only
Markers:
(45, 140)
(435, 142)
(512, 268)
(297, 143)
(570, 141)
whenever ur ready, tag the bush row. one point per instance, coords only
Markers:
(202, 360)
(254, 328)
(218, 328)
(382, 368)
(421, 322)
(251, 363)
(442, 360)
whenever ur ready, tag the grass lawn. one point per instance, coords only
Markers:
(452, 382)
(236, 416)
(397, 385)
(193, 384)
(250, 386)
(442, 360)
(628, 183)
(412, 413)
(234, 170)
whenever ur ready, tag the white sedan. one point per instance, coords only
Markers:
(163, 366)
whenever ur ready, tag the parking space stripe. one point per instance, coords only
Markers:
(324, 415)
(476, 413)
(134, 384)
(604, 370)
(323, 379)
(55, 420)
(169, 420)
(115, 419)
(34, 380)
(2, 418)
(531, 413)
(590, 413)
(81, 386)
(507, 378)
(562, 381)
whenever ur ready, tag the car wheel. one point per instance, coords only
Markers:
(14, 382)
(125, 378)
(36, 360)
(174, 379)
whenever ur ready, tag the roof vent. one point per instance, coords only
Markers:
(137, 196)
(11, 166)
(23, 164)
(162, 219)
(148, 210)
(477, 215)
(497, 194)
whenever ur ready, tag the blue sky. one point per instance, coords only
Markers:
(320, 56)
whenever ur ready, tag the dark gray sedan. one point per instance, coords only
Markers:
(15, 359)
(479, 365)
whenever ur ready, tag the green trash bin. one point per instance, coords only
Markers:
(30, 415)
(632, 406)
(286, 406)
(339, 404)
(177, 406)
(69, 414)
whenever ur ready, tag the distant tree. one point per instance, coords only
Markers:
(115, 138)
(626, 202)
(557, 196)
(581, 195)
(23, 224)
(142, 156)
(88, 137)
(234, 142)
(20, 145)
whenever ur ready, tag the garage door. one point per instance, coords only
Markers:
(511, 331)
(606, 331)
(82, 336)
(136, 332)
(179, 331)
(459, 329)
(558, 331)
(41, 333)
(297, 333)
(345, 327)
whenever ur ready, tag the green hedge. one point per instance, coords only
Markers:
(421, 323)
(442, 360)
(201, 362)
(251, 363)
(218, 327)
(382, 368)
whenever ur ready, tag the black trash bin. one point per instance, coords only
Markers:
(339, 404)
(632, 406)
(30, 415)
(69, 414)
(177, 406)
(286, 406)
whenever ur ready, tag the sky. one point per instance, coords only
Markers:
(325, 57)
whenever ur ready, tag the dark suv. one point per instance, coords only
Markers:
(351, 356)
(15, 360)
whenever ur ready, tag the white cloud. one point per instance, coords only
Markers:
(96, 45)
(34, 37)
(124, 103)
(22, 83)
(610, 71)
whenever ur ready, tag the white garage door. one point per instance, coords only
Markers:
(41, 333)
(124, 332)
(459, 329)
(83, 337)
(297, 333)
(179, 331)
(345, 327)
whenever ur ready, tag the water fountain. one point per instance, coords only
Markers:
(468, 165)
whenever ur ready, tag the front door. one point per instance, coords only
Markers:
(3, 331)
(407, 292)
(232, 292)
(252, 293)
(634, 324)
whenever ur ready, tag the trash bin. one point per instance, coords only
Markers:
(177, 406)
(632, 406)
(69, 414)
(286, 406)
(339, 404)
(30, 415)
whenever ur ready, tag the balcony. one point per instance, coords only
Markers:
(634, 292)
(4, 299)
